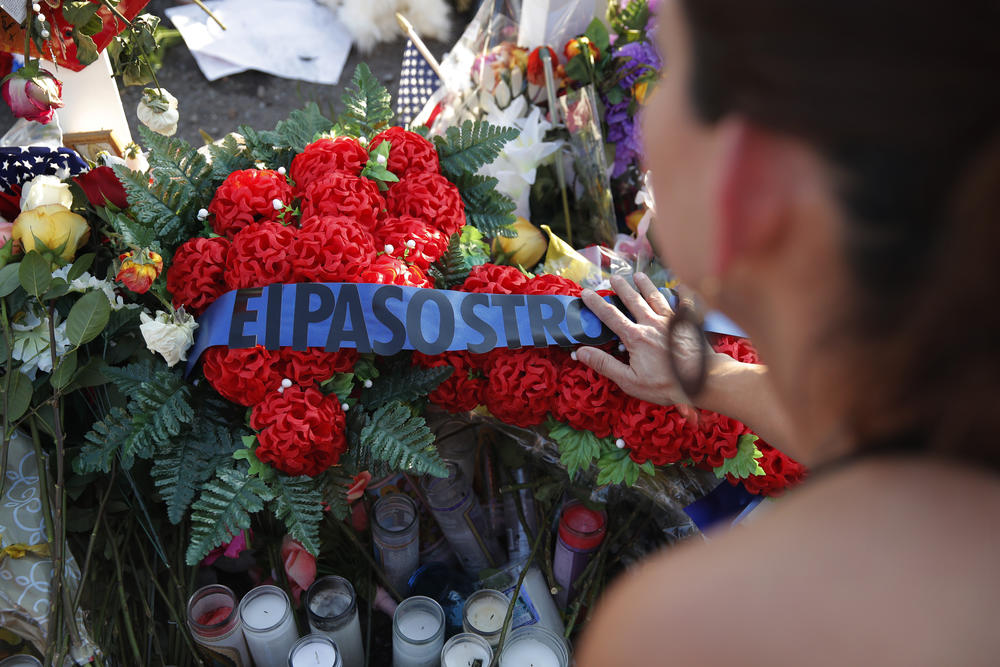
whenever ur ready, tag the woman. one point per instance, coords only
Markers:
(828, 174)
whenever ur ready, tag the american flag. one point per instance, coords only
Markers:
(20, 164)
(417, 82)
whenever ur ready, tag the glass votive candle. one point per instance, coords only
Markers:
(466, 650)
(396, 538)
(332, 608)
(417, 633)
(21, 660)
(268, 625)
(534, 646)
(214, 622)
(314, 651)
(484, 613)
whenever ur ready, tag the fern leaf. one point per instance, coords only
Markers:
(465, 251)
(486, 209)
(367, 104)
(118, 434)
(300, 128)
(174, 161)
(228, 156)
(180, 469)
(262, 149)
(223, 509)
(463, 150)
(395, 435)
(298, 502)
(336, 483)
(406, 383)
(161, 397)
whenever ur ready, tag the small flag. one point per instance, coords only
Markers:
(417, 82)
(19, 164)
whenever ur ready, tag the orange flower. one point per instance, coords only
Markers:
(575, 46)
(139, 270)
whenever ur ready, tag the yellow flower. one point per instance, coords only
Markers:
(139, 271)
(525, 249)
(53, 225)
(640, 91)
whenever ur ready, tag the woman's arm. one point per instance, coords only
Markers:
(735, 389)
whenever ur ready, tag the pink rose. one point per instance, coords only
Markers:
(232, 550)
(361, 481)
(5, 232)
(300, 566)
(34, 98)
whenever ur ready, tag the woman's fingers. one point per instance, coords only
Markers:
(634, 301)
(605, 364)
(653, 296)
(611, 316)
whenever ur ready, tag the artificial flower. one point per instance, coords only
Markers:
(550, 283)
(495, 279)
(55, 226)
(307, 367)
(586, 400)
(301, 430)
(31, 342)
(300, 566)
(330, 249)
(413, 241)
(461, 391)
(247, 197)
(389, 270)
(196, 277)
(157, 110)
(337, 194)
(242, 376)
(139, 270)
(651, 432)
(102, 186)
(44, 190)
(526, 248)
(170, 335)
(341, 154)
(780, 473)
(408, 153)
(361, 482)
(33, 97)
(260, 255)
(522, 385)
(429, 197)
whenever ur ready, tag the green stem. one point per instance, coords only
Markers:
(27, 34)
(125, 615)
(93, 537)
(8, 375)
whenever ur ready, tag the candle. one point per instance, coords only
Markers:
(216, 627)
(456, 510)
(534, 603)
(314, 651)
(534, 646)
(396, 538)
(417, 633)
(581, 531)
(484, 614)
(332, 608)
(466, 650)
(268, 625)
(20, 660)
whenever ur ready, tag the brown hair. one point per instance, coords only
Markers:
(901, 97)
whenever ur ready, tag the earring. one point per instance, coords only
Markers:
(687, 345)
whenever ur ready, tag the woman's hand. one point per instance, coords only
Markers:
(648, 375)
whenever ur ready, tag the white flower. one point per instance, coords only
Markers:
(277, 204)
(44, 191)
(169, 335)
(31, 344)
(157, 110)
(87, 282)
(411, 244)
(389, 249)
(282, 171)
(381, 159)
(202, 214)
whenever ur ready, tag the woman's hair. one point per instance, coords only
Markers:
(902, 98)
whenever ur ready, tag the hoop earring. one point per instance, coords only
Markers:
(687, 346)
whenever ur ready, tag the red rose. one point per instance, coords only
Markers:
(197, 276)
(242, 376)
(259, 256)
(657, 433)
(330, 250)
(361, 482)
(301, 430)
(387, 270)
(341, 195)
(428, 242)
(102, 186)
(495, 279)
(409, 152)
(549, 283)
(315, 364)
(342, 154)
(780, 473)
(430, 197)
(738, 348)
(464, 388)
(247, 197)
(522, 385)
(717, 438)
(586, 400)
(536, 70)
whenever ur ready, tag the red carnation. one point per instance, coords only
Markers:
(259, 256)
(522, 385)
(301, 430)
(780, 473)
(387, 270)
(101, 186)
(409, 152)
(197, 276)
(246, 197)
(315, 364)
(242, 376)
(586, 400)
(342, 154)
(495, 279)
(536, 69)
(428, 242)
(738, 348)
(657, 433)
(430, 197)
(717, 438)
(330, 249)
(549, 283)
(464, 388)
(343, 195)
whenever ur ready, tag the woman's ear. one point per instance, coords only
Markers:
(753, 187)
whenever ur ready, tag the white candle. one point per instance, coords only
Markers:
(464, 650)
(534, 646)
(332, 610)
(314, 651)
(268, 626)
(417, 633)
(484, 613)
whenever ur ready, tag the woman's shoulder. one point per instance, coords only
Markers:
(885, 562)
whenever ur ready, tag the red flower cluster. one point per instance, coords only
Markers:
(408, 152)
(343, 154)
(197, 276)
(338, 194)
(780, 473)
(586, 400)
(428, 196)
(247, 197)
(301, 430)
(465, 388)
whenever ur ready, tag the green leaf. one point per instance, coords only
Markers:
(180, 469)
(91, 374)
(62, 374)
(87, 318)
(35, 274)
(463, 150)
(616, 467)
(745, 463)
(86, 49)
(597, 32)
(249, 454)
(58, 289)
(161, 396)
(486, 209)
(228, 156)
(223, 510)
(367, 105)
(402, 440)
(341, 384)
(300, 128)
(10, 279)
(465, 251)
(19, 398)
(118, 434)
(298, 503)
(577, 449)
(406, 383)
(79, 12)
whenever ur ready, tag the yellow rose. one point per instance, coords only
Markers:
(525, 249)
(53, 225)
